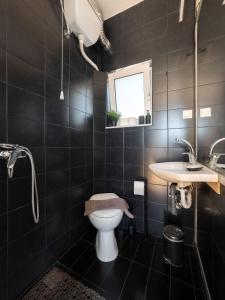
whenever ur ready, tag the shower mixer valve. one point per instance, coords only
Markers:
(11, 153)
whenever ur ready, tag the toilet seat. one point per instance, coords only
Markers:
(106, 213)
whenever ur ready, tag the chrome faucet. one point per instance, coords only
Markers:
(191, 154)
(11, 153)
(214, 157)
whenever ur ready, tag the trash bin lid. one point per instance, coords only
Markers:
(173, 232)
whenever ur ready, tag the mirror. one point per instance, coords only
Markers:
(211, 84)
(130, 96)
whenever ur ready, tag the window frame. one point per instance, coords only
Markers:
(143, 67)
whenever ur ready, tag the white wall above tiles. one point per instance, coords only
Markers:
(111, 8)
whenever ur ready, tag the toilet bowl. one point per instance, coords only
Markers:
(105, 221)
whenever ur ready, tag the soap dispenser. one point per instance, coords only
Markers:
(148, 118)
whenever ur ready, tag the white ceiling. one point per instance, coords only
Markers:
(113, 7)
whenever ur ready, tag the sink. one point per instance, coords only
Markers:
(176, 172)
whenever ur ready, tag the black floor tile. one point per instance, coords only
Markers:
(158, 263)
(135, 284)
(129, 248)
(196, 272)
(139, 272)
(115, 279)
(181, 291)
(70, 257)
(121, 237)
(144, 253)
(107, 295)
(97, 273)
(85, 261)
(184, 273)
(200, 295)
(158, 287)
(90, 236)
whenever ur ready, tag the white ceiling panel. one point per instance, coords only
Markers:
(113, 7)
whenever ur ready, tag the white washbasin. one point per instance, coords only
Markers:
(176, 172)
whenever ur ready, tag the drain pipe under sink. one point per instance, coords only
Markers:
(81, 44)
(185, 199)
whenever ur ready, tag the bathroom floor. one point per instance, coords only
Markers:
(138, 273)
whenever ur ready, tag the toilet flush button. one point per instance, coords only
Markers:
(139, 188)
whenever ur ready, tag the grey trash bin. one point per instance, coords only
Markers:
(173, 245)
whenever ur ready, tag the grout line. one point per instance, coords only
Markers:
(129, 271)
(149, 273)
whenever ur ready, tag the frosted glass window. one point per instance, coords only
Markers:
(129, 92)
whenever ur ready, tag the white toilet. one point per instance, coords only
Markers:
(105, 221)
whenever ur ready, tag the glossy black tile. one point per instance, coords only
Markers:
(114, 138)
(178, 289)
(74, 253)
(56, 113)
(133, 172)
(57, 158)
(100, 268)
(115, 279)
(3, 230)
(183, 98)
(176, 120)
(129, 248)
(77, 195)
(114, 171)
(159, 101)
(33, 242)
(56, 204)
(144, 254)
(136, 279)
(57, 136)
(21, 221)
(24, 46)
(57, 226)
(158, 263)
(25, 132)
(114, 155)
(56, 181)
(155, 138)
(158, 286)
(77, 119)
(2, 99)
(86, 260)
(18, 99)
(3, 195)
(156, 211)
(25, 76)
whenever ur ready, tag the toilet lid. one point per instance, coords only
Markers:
(106, 213)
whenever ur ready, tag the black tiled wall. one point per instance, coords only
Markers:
(59, 134)
(211, 207)
(150, 30)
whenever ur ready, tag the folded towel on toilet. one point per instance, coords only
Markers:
(115, 203)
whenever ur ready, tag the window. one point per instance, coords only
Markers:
(130, 94)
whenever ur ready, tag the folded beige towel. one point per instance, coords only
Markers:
(116, 203)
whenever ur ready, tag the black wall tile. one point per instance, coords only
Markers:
(24, 75)
(32, 115)
(18, 99)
